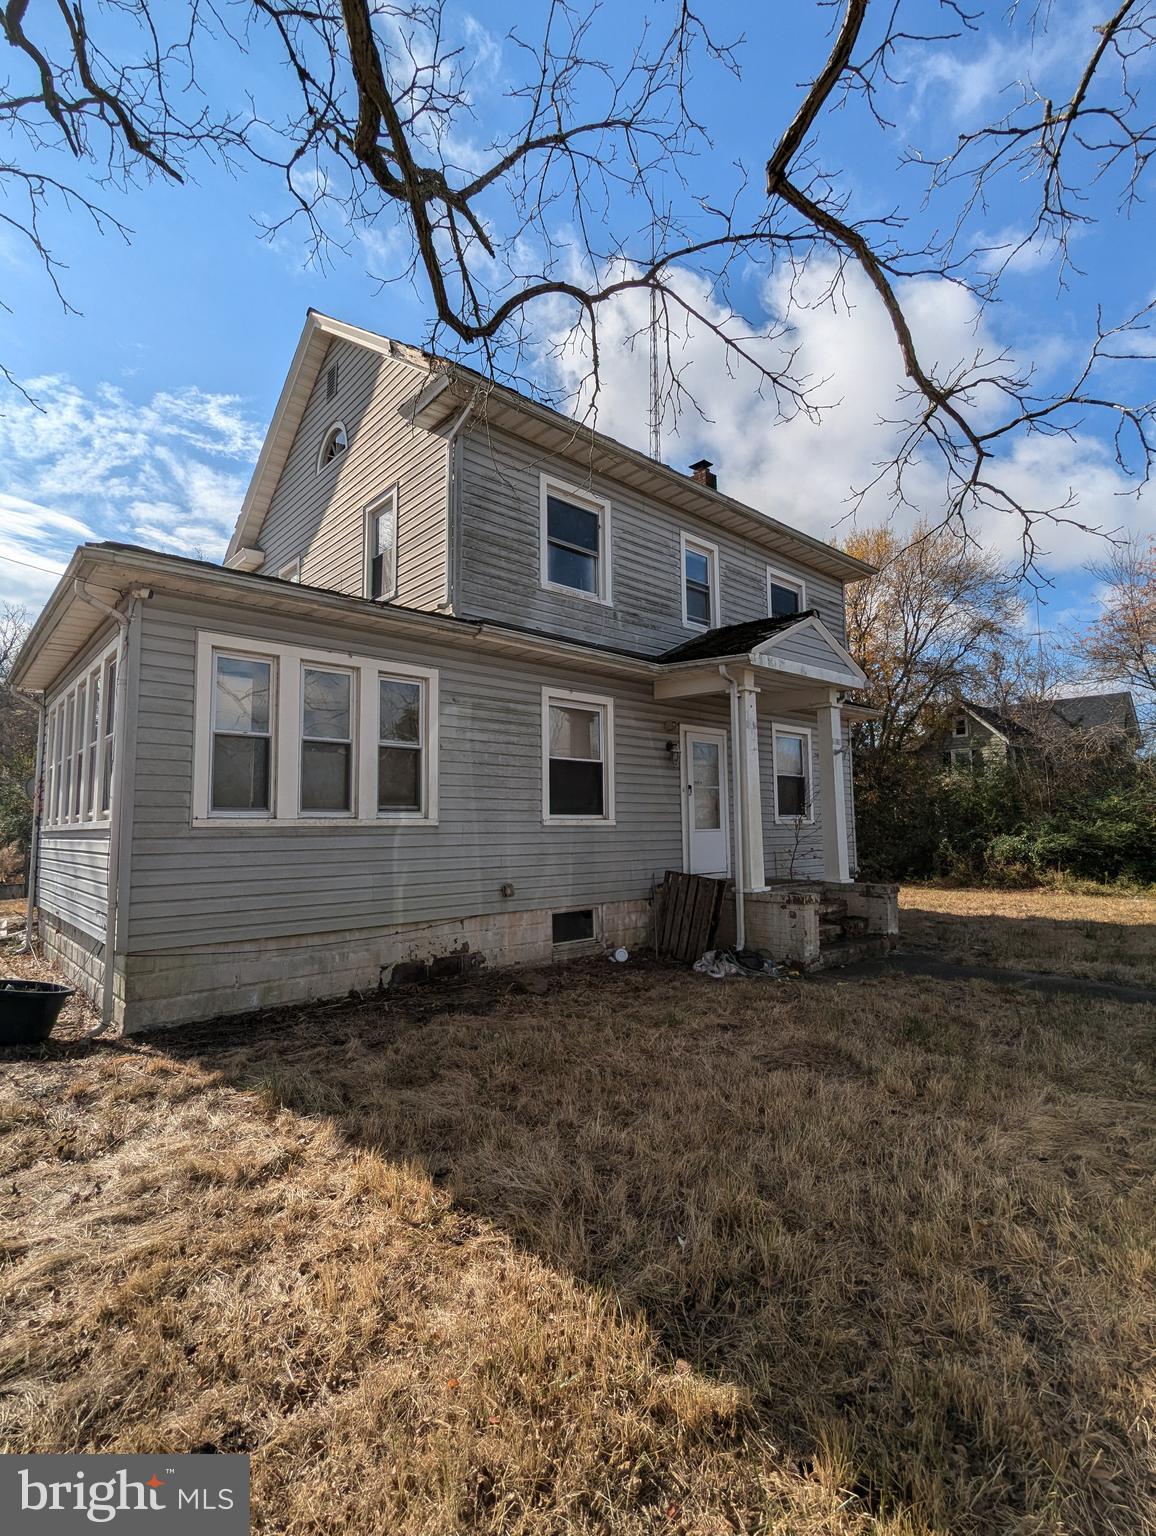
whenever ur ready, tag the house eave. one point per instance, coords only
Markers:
(449, 386)
(548, 429)
(67, 624)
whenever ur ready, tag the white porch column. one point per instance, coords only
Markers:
(832, 798)
(749, 814)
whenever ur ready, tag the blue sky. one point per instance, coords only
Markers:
(156, 394)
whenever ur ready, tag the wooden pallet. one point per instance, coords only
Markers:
(688, 913)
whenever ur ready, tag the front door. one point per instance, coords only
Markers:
(704, 811)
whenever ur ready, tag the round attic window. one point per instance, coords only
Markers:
(333, 445)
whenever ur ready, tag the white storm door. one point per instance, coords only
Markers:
(705, 818)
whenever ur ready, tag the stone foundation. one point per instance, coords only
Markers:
(204, 982)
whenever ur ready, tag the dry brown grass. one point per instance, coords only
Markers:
(649, 1254)
(1106, 937)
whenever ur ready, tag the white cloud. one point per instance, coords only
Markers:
(803, 471)
(169, 471)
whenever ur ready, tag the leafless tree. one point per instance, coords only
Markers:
(592, 187)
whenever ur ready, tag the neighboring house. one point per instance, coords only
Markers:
(979, 736)
(470, 679)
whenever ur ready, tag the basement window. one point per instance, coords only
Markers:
(572, 927)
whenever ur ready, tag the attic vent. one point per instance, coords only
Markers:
(331, 382)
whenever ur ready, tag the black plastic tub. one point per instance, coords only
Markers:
(29, 1009)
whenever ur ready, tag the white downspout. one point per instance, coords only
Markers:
(115, 800)
(37, 817)
(737, 814)
(453, 520)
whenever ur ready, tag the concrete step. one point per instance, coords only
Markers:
(854, 927)
(871, 946)
(832, 910)
(830, 933)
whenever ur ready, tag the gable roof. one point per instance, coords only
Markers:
(1104, 712)
(443, 388)
(733, 639)
(1098, 712)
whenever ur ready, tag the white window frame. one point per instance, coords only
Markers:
(780, 578)
(285, 786)
(330, 430)
(67, 803)
(548, 484)
(290, 572)
(390, 672)
(244, 653)
(372, 510)
(783, 729)
(957, 723)
(691, 543)
(565, 697)
(351, 741)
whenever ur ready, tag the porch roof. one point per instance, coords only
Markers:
(733, 639)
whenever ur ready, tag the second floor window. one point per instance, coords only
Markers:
(785, 594)
(381, 548)
(699, 583)
(575, 542)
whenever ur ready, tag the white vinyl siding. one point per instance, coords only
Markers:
(321, 517)
(500, 572)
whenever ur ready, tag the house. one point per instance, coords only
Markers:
(470, 679)
(980, 736)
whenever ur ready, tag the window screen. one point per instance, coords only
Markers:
(573, 545)
(326, 741)
(242, 735)
(577, 761)
(791, 774)
(784, 600)
(400, 769)
(697, 575)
